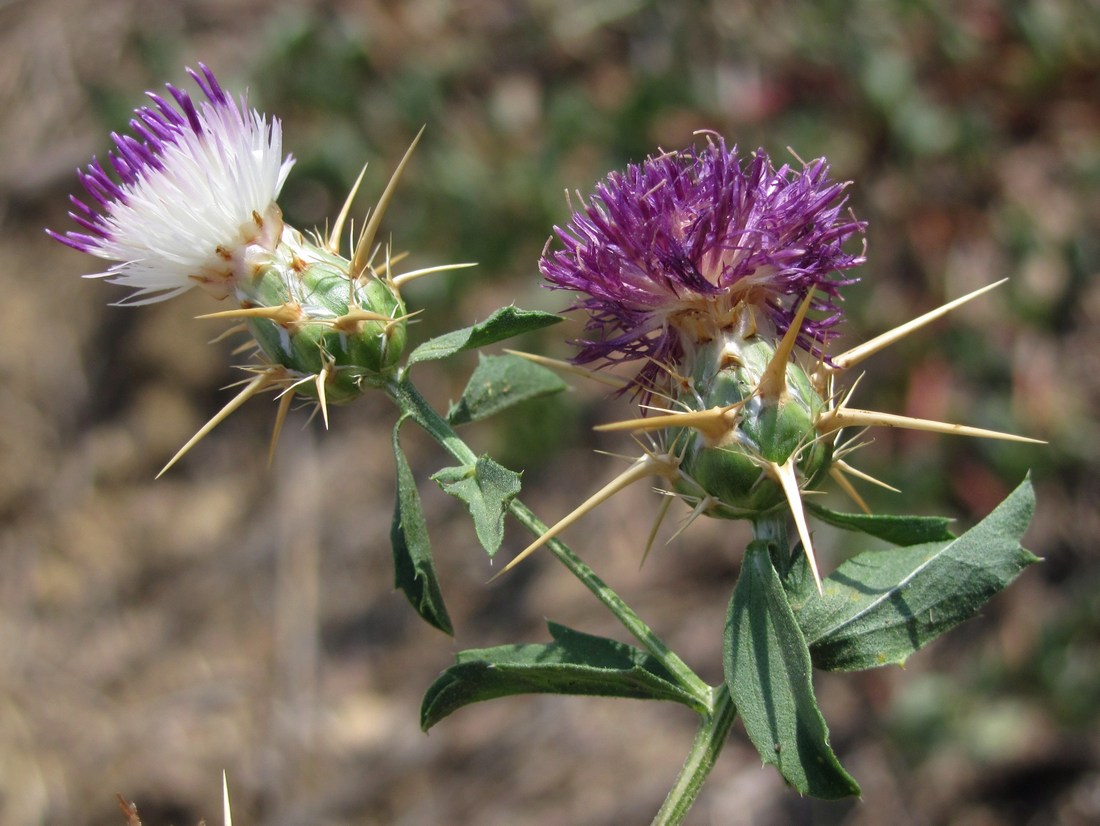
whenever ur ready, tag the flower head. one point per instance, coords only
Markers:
(707, 270)
(187, 199)
(677, 250)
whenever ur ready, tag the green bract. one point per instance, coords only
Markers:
(351, 329)
(735, 469)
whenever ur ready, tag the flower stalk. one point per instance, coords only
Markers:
(710, 738)
(411, 403)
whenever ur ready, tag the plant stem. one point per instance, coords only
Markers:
(714, 727)
(710, 737)
(772, 529)
(409, 400)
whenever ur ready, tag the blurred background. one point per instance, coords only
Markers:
(230, 617)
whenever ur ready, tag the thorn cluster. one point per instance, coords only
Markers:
(323, 327)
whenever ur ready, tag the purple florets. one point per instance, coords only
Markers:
(131, 159)
(673, 252)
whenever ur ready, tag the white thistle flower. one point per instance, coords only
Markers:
(189, 198)
(192, 197)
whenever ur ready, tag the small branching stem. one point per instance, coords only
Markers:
(411, 403)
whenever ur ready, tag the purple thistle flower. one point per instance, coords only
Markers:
(671, 252)
(186, 199)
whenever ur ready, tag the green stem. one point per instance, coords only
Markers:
(714, 728)
(772, 528)
(409, 400)
(710, 737)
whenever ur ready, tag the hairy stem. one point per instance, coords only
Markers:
(772, 529)
(710, 737)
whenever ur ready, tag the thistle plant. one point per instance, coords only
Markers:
(717, 279)
(189, 200)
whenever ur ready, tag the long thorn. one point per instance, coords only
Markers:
(851, 391)
(662, 511)
(399, 281)
(844, 467)
(349, 321)
(322, 377)
(391, 259)
(362, 247)
(333, 242)
(569, 367)
(244, 347)
(283, 314)
(785, 473)
(773, 382)
(699, 509)
(714, 423)
(280, 417)
(227, 815)
(644, 466)
(232, 331)
(847, 487)
(251, 389)
(850, 417)
(868, 348)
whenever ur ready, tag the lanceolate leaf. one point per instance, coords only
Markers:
(881, 606)
(500, 382)
(487, 488)
(574, 663)
(414, 570)
(768, 673)
(503, 324)
(897, 530)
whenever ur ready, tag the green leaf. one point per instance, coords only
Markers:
(487, 488)
(414, 570)
(897, 530)
(881, 606)
(574, 663)
(768, 673)
(500, 382)
(504, 323)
